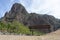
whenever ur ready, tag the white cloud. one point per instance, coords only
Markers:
(51, 7)
(38, 5)
(26, 4)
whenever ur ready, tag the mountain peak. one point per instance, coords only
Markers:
(18, 8)
(19, 13)
(16, 4)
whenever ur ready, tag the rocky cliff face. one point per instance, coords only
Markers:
(19, 13)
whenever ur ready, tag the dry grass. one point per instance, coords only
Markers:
(51, 36)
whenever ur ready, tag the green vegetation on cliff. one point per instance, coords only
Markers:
(14, 27)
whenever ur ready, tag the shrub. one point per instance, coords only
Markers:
(17, 27)
(3, 26)
(38, 33)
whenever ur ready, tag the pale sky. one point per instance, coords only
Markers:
(51, 7)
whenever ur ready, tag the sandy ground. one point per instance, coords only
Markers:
(51, 36)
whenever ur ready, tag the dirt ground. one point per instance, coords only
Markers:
(51, 36)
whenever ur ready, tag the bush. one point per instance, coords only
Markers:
(18, 28)
(14, 27)
(38, 33)
(3, 26)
